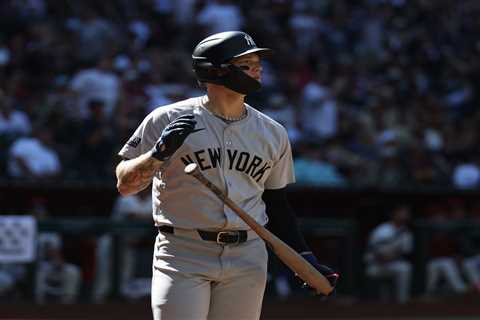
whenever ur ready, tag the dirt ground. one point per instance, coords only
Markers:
(292, 309)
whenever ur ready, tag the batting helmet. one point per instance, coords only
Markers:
(211, 60)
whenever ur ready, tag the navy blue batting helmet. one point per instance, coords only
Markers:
(212, 56)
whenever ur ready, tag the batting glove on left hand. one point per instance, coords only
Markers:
(173, 136)
(331, 275)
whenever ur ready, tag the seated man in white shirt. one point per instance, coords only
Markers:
(56, 279)
(12, 277)
(34, 157)
(388, 245)
(13, 122)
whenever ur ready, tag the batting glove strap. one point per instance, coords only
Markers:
(160, 152)
(331, 275)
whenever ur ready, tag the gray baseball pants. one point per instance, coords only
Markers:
(194, 279)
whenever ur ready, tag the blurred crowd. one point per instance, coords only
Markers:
(372, 92)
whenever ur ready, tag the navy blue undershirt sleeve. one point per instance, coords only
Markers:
(282, 220)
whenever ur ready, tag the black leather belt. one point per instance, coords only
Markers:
(220, 237)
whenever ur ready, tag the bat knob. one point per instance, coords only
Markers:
(189, 169)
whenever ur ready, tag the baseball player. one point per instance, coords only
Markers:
(207, 263)
(389, 245)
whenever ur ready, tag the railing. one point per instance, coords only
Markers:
(97, 199)
(336, 242)
(342, 232)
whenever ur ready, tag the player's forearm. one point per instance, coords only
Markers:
(136, 174)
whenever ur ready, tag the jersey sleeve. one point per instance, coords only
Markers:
(282, 172)
(145, 136)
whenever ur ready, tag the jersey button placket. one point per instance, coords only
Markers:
(228, 144)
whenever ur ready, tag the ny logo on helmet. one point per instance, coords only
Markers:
(249, 40)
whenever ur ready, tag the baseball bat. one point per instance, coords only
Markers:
(290, 257)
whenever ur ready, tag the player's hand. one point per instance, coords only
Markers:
(173, 136)
(331, 275)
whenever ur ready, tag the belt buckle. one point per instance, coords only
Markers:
(232, 233)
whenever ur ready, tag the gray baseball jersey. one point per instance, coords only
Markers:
(242, 158)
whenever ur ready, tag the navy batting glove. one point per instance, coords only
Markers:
(331, 275)
(173, 137)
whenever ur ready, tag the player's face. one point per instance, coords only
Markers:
(250, 64)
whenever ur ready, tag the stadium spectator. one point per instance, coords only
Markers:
(95, 150)
(33, 157)
(12, 276)
(387, 254)
(466, 174)
(56, 280)
(281, 110)
(320, 111)
(469, 251)
(220, 15)
(94, 35)
(443, 270)
(97, 83)
(311, 167)
(13, 122)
